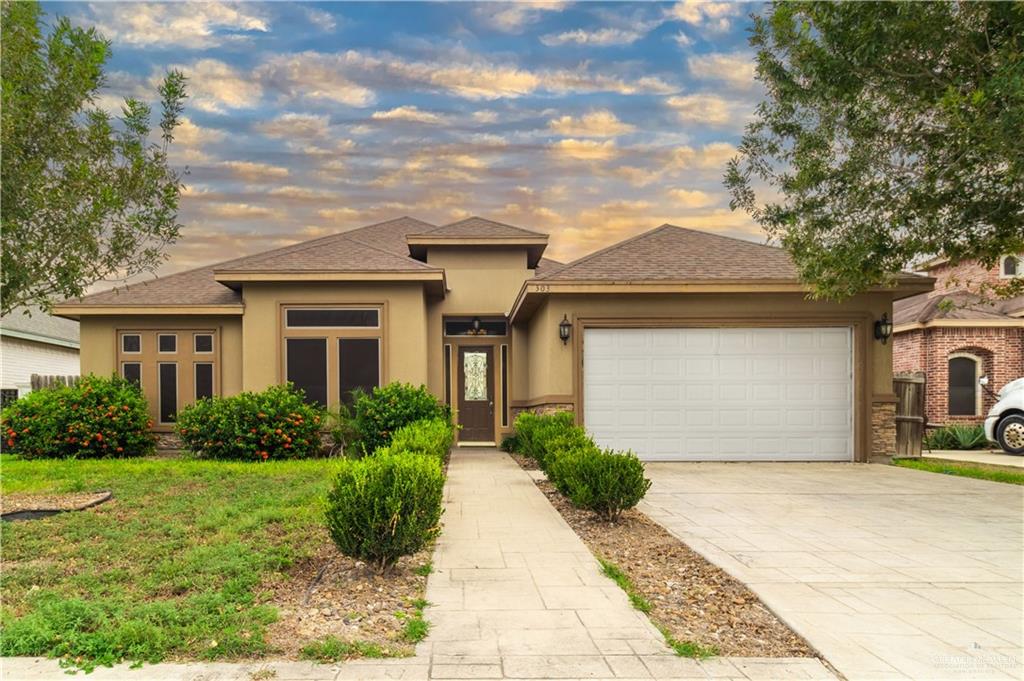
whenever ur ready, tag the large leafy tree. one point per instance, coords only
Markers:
(890, 131)
(84, 197)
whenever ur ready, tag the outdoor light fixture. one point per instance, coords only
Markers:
(883, 328)
(476, 325)
(564, 329)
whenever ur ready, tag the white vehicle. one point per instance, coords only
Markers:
(1005, 422)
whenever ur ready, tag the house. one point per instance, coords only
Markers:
(33, 342)
(678, 344)
(954, 336)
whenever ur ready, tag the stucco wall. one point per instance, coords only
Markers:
(21, 358)
(404, 319)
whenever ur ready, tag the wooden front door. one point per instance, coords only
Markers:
(476, 394)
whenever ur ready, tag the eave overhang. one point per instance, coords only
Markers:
(433, 280)
(39, 338)
(75, 311)
(418, 244)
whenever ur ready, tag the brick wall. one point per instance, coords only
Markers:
(1001, 350)
(968, 275)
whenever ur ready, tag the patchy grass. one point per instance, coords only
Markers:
(964, 469)
(175, 566)
(688, 648)
(416, 628)
(333, 649)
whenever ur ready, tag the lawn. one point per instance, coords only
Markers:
(189, 560)
(967, 470)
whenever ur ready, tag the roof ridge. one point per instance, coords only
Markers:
(702, 232)
(482, 218)
(606, 249)
(419, 263)
(386, 222)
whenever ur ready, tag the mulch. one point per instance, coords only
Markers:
(331, 594)
(691, 598)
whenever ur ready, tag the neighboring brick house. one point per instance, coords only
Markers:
(955, 344)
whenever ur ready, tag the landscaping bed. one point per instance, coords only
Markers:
(698, 606)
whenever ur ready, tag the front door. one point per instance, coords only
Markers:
(476, 394)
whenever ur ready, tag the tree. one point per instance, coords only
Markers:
(84, 198)
(890, 132)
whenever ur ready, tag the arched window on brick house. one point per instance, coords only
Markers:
(1011, 266)
(964, 392)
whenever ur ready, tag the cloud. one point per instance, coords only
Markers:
(188, 25)
(215, 87)
(585, 150)
(292, 126)
(238, 211)
(598, 38)
(600, 123)
(682, 40)
(708, 109)
(514, 17)
(188, 134)
(711, 156)
(716, 16)
(342, 214)
(735, 69)
(325, 21)
(249, 170)
(312, 75)
(691, 198)
(407, 113)
(485, 116)
(290, 191)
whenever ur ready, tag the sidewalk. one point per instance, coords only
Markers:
(989, 457)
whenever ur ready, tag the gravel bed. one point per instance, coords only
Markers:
(692, 599)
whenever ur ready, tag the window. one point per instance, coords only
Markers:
(1010, 266)
(332, 318)
(963, 385)
(504, 385)
(8, 396)
(168, 392)
(447, 374)
(204, 380)
(464, 326)
(358, 366)
(306, 364)
(203, 343)
(131, 343)
(132, 371)
(167, 343)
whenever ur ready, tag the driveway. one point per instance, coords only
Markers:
(890, 573)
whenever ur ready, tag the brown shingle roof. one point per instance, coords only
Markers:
(546, 266)
(481, 228)
(962, 305)
(32, 320)
(194, 287)
(671, 253)
(337, 254)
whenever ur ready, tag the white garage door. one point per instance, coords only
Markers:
(733, 394)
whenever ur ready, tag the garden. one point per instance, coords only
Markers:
(252, 543)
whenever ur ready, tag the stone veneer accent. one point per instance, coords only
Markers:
(883, 431)
(545, 408)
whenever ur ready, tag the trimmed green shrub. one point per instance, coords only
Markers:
(534, 432)
(341, 425)
(385, 506)
(510, 443)
(432, 437)
(603, 481)
(380, 413)
(276, 423)
(94, 419)
(572, 438)
(957, 437)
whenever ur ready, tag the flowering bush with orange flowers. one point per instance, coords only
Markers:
(96, 418)
(276, 423)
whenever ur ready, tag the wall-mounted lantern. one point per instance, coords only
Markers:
(476, 326)
(883, 328)
(564, 329)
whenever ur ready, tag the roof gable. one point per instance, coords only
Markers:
(478, 227)
(671, 253)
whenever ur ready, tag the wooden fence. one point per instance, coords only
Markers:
(39, 381)
(910, 416)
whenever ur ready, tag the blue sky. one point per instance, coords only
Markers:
(589, 121)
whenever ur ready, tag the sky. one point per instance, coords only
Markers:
(588, 121)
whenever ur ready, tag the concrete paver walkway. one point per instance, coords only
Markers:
(890, 573)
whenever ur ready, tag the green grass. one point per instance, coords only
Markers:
(682, 648)
(171, 567)
(967, 470)
(416, 628)
(332, 649)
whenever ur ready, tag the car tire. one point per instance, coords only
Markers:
(1010, 434)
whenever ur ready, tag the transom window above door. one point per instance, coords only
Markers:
(475, 326)
(332, 318)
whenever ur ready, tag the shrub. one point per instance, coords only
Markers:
(572, 438)
(957, 437)
(252, 426)
(96, 418)
(535, 431)
(432, 437)
(380, 413)
(385, 506)
(510, 443)
(603, 481)
(341, 425)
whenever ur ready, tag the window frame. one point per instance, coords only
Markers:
(979, 369)
(1002, 266)
(195, 379)
(131, 352)
(160, 393)
(166, 352)
(195, 338)
(374, 308)
(503, 352)
(468, 319)
(327, 362)
(136, 363)
(380, 359)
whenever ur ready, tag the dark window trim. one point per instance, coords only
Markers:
(167, 352)
(327, 360)
(504, 386)
(197, 351)
(131, 352)
(160, 390)
(195, 379)
(380, 358)
(138, 364)
(448, 374)
(977, 366)
(366, 308)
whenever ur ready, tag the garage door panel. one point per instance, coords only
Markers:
(721, 394)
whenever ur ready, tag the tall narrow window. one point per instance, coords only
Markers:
(963, 386)
(203, 343)
(167, 343)
(1011, 266)
(204, 380)
(131, 343)
(168, 392)
(132, 371)
(447, 374)
(306, 360)
(358, 366)
(504, 385)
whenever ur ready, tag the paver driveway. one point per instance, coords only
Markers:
(890, 573)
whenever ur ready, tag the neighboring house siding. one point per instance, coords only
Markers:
(22, 358)
(968, 274)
